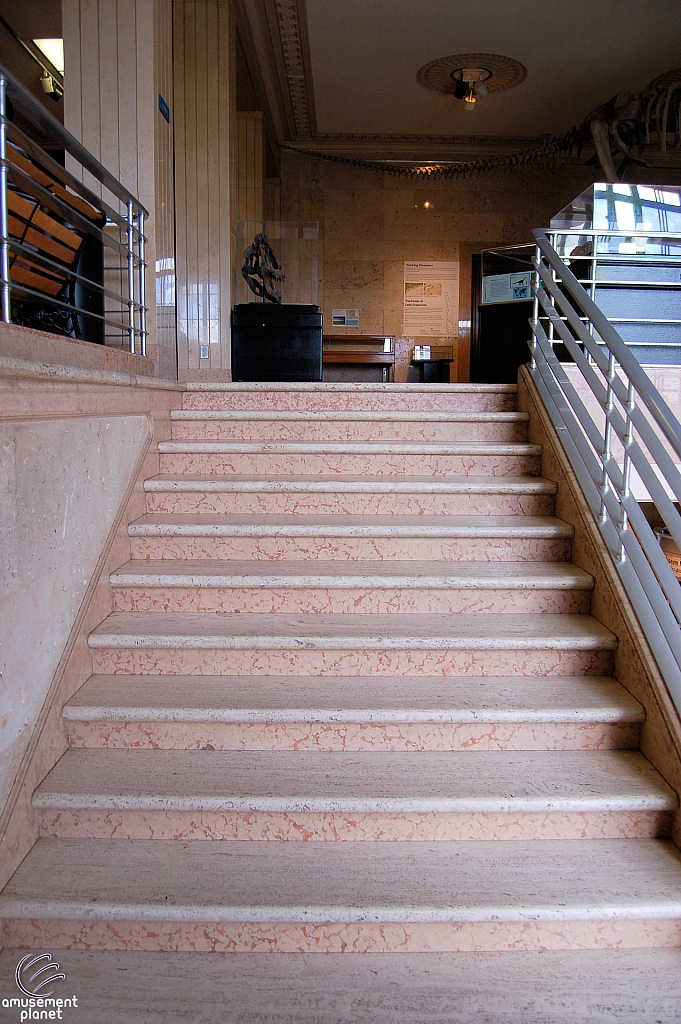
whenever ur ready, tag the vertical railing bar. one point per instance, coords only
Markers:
(142, 284)
(131, 276)
(4, 220)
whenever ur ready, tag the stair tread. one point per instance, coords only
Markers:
(357, 782)
(212, 525)
(325, 882)
(480, 631)
(576, 986)
(359, 389)
(349, 699)
(500, 448)
(347, 415)
(416, 574)
(456, 484)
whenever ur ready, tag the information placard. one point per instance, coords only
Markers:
(431, 299)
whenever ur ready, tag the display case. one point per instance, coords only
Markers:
(296, 247)
(276, 322)
(623, 243)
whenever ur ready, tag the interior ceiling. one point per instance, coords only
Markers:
(364, 55)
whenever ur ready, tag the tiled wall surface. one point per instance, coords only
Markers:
(117, 56)
(203, 101)
(371, 222)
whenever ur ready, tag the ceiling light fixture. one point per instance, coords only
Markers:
(470, 76)
(469, 84)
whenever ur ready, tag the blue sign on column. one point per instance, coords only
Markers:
(164, 108)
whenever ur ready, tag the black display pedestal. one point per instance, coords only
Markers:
(276, 342)
(433, 371)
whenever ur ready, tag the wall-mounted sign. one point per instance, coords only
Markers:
(431, 299)
(164, 108)
(507, 287)
(345, 317)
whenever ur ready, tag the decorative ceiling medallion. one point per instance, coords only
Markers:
(663, 82)
(441, 75)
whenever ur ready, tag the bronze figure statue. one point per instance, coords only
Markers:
(261, 269)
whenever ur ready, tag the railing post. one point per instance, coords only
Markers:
(131, 277)
(607, 439)
(626, 470)
(4, 223)
(143, 284)
(535, 307)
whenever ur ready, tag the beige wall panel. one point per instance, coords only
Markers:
(118, 58)
(202, 96)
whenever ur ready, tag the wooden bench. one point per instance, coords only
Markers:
(52, 238)
(368, 350)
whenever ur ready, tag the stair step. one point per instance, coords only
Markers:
(290, 713)
(342, 495)
(360, 896)
(367, 397)
(207, 585)
(342, 632)
(574, 986)
(286, 425)
(231, 644)
(350, 538)
(397, 458)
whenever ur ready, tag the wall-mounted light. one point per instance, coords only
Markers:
(54, 51)
(47, 83)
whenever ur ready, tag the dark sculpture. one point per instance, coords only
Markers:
(261, 269)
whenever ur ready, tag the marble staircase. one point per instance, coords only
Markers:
(350, 644)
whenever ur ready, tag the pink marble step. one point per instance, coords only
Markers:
(367, 397)
(348, 897)
(308, 588)
(351, 645)
(351, 538)
(363, 796)
(367, 459)
(288, 495)
(280, 426)
(290, 713)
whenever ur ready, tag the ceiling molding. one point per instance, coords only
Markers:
(278, 47)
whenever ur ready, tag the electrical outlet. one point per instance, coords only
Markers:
(203, 351)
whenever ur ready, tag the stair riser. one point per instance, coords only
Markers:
(351, 827)
(349, 503)
(307, 430)
(323, 600)
(352, 549)
(348, 464)
(333, 736)
(389, 662)
(205, 936)
(357, 401)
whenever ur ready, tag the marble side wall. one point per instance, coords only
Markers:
(634, 664)
(75, 448)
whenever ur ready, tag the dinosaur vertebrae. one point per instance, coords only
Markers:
(623, 126)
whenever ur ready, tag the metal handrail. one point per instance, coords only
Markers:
(120, 229)
(635, 416)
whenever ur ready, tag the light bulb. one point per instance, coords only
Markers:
(469, 101)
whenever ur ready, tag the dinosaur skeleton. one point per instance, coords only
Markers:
(622, 126)
(261, 269)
